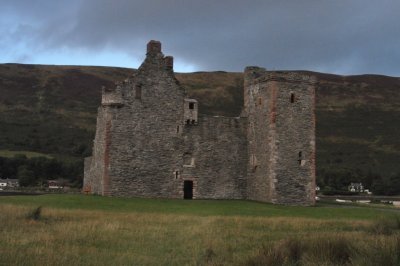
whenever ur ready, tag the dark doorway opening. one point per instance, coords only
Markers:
(188, 189)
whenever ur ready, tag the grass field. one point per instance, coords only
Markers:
(91, 230)
(28, 154)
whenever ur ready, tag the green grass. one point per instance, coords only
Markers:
(93, 230)
(28, 154)
(197, 207)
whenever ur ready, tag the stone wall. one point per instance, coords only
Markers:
(258, 107)
(218, 148)
(97, 166)
(146, 142)
(281, 111)
(150, 140)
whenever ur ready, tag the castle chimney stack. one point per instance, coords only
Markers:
(169, 62)
(153, 47)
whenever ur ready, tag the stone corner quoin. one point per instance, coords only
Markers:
(151, 142)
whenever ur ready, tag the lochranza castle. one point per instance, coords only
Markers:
(151, 141)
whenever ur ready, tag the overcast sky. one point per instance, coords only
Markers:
(335, 36)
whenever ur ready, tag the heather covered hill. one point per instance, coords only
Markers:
(52, 110)
(218, 93)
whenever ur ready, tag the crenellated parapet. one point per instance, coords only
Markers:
(293, 77)
(255, 75)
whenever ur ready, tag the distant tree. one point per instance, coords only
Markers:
(338, 179)
(393, 186)
(37, 170)
(80, 149)
(78, 182)
(369, 179)
(378, 186)
(8, 168)
(26, 177)
(321, 178)
(20, 158)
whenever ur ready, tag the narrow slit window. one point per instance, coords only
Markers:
(301, 160)
(292, 97)
(176, 174)
(188, 122)
(138, 92)
(253, 162)
(191, 105)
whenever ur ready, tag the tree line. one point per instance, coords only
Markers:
(37, 171)
(337, 181)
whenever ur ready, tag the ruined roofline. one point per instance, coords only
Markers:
(154, 51)
(153, 47)
(254, 74)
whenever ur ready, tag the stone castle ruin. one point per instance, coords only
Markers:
(151, 142)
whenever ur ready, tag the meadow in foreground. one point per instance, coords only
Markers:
(87, 230)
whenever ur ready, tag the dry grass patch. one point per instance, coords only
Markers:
(78, 237)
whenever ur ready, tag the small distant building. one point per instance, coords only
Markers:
(367, 191)
(396, 204)
(356, 187)
(55, 184)
(9, 183)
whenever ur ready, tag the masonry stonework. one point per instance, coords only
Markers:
(151, 140)
(281, 136)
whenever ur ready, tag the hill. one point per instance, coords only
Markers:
(52, 110)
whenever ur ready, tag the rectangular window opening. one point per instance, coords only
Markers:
(188, 160)
(301, 161)
(138, 92)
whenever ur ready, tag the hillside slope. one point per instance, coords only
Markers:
(52, 110)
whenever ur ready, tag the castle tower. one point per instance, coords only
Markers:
(280, 107)
(138, 144)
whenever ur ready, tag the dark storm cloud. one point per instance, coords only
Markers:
(358, 36)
